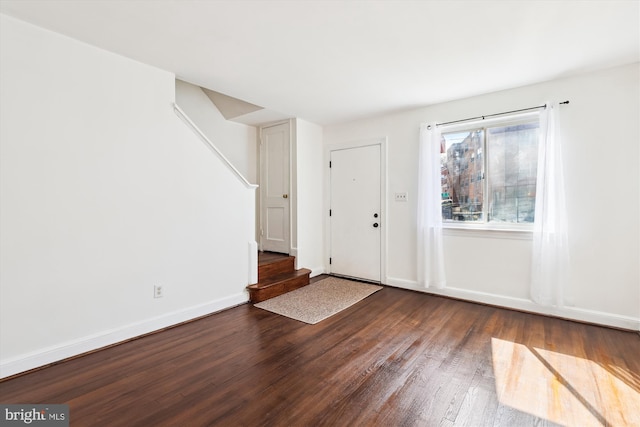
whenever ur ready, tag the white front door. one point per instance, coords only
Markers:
(355, 215)
(274, 185)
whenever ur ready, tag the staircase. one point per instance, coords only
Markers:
(276, 276)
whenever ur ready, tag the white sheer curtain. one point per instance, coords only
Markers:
(430, 253)
(550, 260)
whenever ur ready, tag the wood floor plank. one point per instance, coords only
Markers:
(397, 358)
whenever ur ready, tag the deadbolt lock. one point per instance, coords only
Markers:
(285, 196)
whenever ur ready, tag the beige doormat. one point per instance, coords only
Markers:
(319, 300)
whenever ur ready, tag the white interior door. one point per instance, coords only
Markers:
(274, 187)
(355, 217)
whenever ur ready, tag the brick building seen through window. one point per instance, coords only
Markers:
(489, 174)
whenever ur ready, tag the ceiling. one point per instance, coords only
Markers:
(332, 61)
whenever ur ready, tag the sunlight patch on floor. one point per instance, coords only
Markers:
(562, 388)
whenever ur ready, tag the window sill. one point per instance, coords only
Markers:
(495, 231)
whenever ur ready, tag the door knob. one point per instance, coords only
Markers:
(285, 196)
(375, 225)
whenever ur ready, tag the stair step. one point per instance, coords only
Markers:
(275, 267)
(278, 284)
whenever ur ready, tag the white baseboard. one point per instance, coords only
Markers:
(573, 313)
(63, 351)
(317, 271)
(253, 262)
(49, 355)
(294, 252)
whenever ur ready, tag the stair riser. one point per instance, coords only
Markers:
(262, 294)
(285, 265)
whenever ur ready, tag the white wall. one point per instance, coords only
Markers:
(105, 193)
(236, 141)
(601, 134)
(309, 196)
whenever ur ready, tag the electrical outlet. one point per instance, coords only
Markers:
(158, 291)
(401, 197)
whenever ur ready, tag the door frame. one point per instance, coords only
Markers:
(292, 196)
(382, 142)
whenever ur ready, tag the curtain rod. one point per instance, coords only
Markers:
(496, 114)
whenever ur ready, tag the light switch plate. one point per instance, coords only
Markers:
(401, 197)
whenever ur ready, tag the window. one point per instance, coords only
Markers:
(488, 173)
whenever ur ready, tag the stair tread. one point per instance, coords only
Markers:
(276, 276)
(273, 258)
(279, 278)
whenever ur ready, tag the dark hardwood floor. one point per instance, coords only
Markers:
(397, 358)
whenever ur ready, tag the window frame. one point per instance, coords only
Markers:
(524, 229)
